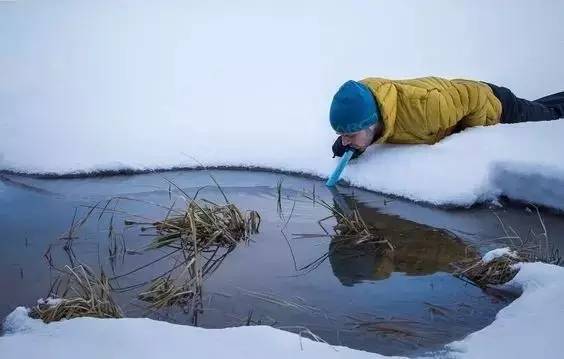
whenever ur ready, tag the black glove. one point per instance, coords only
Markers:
(339, 150)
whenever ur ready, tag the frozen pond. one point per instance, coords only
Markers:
(292, 275)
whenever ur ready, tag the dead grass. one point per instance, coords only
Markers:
(201, 233)
(210, 223)
(350, 225)
(201, 227)
(484, 274)
(350, 231)
(279, 198)
(164, 292)
(534, 247)
(84, 295)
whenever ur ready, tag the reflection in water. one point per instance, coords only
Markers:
(256, 283)
(418, 249)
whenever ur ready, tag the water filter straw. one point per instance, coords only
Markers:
(334, 178)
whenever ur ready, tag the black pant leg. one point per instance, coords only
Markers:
(508, 102)
(554, 101)
(534, 111)
(515, 109)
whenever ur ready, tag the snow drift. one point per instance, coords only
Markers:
(527, 328)
(93, 86)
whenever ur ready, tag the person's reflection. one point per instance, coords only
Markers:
(418, 249)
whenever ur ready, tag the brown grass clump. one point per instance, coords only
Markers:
(205, 233)
(204, 223)
(495, 272)
(534, 247)
(202, 226)
(164, 292)
(201, 233)
(85, 295)
(350, 224)
(354, 228)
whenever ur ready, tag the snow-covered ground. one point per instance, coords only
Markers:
(146, 338)
(90, 86)
(527, 328)
(497, 253)
(96, 85)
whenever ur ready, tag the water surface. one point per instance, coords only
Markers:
(291, 275)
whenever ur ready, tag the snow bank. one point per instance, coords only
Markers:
(49, 301)
(146, 338)
(496, 253)
(90, 86)
(479, 164)
(527, 328)
(530, 327)
(541, 182)
(474, 166)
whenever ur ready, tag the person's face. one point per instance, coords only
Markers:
(359, 140)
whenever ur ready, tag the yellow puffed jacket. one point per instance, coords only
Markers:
(425, 110)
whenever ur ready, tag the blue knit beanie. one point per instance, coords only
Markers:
(353, 108)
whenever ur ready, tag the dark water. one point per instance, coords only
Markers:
(392, 302)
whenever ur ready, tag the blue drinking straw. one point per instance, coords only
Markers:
(334, 178)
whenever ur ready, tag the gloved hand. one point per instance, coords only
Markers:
(339, 150)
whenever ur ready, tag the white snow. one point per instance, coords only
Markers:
(50, 301)
(530, 327)
(146, 338)
(527, 328)
(496, 253)
(89, 86)
(479, 164)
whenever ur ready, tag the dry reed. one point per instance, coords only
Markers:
(495, 272)
(85, 295)
(210, 224)
(350, 225)
(532, 248)
(164, 292)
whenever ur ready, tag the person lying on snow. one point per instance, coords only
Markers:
(426, 110)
